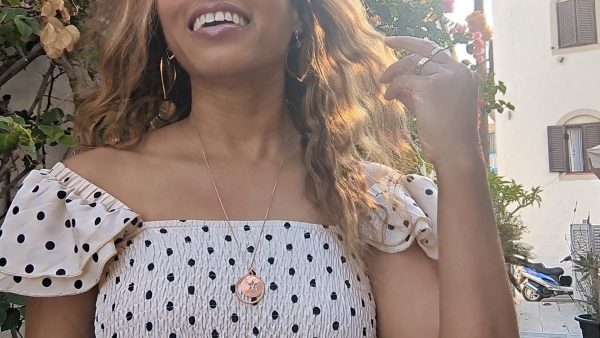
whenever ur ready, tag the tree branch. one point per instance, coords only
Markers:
(35, 52)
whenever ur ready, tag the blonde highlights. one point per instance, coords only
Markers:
(338, 108)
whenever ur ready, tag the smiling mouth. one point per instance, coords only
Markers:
(219, 18)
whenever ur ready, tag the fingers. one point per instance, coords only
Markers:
(404, 87)
(408, 64)
(417, 46)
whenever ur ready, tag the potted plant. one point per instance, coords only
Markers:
(587, 269)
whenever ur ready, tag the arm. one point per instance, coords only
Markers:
(475, 299)
(61, 317)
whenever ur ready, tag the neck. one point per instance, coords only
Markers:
(248, 120)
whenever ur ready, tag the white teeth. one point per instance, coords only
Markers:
(207, 18)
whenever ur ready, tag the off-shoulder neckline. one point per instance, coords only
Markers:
(60, 167)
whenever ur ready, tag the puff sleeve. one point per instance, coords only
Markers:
(59, 232)
(410, 202)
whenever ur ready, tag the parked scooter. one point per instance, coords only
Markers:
(539, 282)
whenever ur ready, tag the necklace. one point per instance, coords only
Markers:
(250, 288)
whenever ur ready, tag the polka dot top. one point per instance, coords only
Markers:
(175, 278)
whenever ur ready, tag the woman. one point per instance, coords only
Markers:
(267, 205)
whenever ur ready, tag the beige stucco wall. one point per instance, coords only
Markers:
(545, 85)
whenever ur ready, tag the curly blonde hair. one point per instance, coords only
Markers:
(338, 108)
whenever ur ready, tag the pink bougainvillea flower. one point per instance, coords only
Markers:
(448, 6)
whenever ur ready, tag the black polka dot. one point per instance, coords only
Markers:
(269, 237)
(214, 333)
(307, 235)
(287, 225)
(163, 231)
(191, 290)
(114, 335)
(336, 326)
(310, 258)
(250, 249)
(21, 238)
(47, 282)
(129, 316)
(292, 271)
(147, 243)
(313, 283)
(406, 223)
(210, 250)
(61, 272)
(333, 296)
(212, 304)
(149, 294)
(191, 262)
(316, 311)
(169, 306)
(188, 239)
(170, 277)
(97, 221)
(117, 280)
(232, 288)
(294, 299)
(97, 194)
(255, 331)
(212, 275)
(149, 326)
(37, 187)
(131, 287)
(234, 318)
(131, 261)
(75, 249)
(326, 246)
(274, 315)
(289, 247)
(246, 227)
(343, 259)
(93, 204)
(227, 238)
(295, 328)
(41, 215)
(78, 284)
(61, 194)
(86, 247)
(15, 210)
(329, 269)
(271, 260)
(172, 335)
(192, 320)
(50, 245)
(347, 282)
(73, 222)
(29, 268)
(17, 279)
(68, 223)
(205, 228)
(95, 257)
(3, 263)
(273, 286)
(410, 178)
(169, 251)
(231, 261)
(150, 266)
(352, 312)
(391, 227)
(429, 192)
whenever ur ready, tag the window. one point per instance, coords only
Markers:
(576, 23)
(568, 145)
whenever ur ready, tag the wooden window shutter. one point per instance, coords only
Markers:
(586, 22)
(591, 138)
(557, 148)
(567, 23)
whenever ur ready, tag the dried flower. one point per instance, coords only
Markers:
(477, 23)
(51, 6)
(56, 38)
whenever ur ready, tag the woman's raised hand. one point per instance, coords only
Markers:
(441, 93)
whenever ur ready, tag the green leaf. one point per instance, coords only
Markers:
(15, 299)
(23, 27)
(13, 318)
(8, 142)
(67, 141)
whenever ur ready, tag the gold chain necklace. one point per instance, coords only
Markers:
(250, 288)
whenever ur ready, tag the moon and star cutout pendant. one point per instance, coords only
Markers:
(250, 289)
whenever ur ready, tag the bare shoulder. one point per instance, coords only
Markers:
(406, 289)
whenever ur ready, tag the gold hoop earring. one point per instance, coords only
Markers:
(173, 70)
(287, 68)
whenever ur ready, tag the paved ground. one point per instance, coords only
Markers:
(551, 318)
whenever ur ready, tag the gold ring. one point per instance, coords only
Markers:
(436, 51)
(421, 64)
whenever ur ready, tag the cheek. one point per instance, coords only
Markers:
(169, 14)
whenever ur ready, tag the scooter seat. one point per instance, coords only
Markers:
(550, 271)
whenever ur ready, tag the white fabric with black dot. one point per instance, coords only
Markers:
(174, 278)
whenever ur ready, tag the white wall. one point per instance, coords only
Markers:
(543, 91)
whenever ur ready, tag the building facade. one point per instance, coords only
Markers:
(548, 53)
